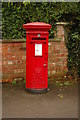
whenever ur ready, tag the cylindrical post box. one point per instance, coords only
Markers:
(37, 56)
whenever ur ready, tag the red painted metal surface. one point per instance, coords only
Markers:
(37, 55)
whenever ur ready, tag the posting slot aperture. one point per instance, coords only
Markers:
(38, 38)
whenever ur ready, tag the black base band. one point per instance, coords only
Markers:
(36, 91)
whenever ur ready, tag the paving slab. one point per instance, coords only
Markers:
(58, 102)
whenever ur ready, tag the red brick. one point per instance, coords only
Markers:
(57, 54)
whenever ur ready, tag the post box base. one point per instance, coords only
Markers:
(36, 91)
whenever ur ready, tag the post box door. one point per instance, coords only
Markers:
(38, 64)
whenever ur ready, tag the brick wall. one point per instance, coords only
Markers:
(13, 60)
(14, 56)
(57, 58)
(57, 52)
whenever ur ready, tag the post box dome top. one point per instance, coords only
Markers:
(37, 25)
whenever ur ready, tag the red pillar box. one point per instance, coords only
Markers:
(37, 56)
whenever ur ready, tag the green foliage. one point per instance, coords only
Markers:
(73, 45)
(14, 15)
(14, 82)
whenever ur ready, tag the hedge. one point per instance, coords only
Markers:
(14, 15)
